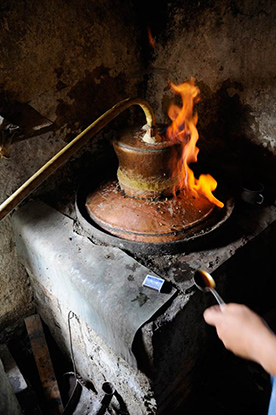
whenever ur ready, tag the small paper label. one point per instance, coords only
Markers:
(153, 282)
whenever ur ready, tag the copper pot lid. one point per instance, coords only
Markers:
(151, 221)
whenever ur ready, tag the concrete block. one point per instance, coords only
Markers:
(8, 401)
(14, 375)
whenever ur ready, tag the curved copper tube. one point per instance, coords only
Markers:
(63, 155)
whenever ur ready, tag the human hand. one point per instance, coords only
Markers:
(244, 333)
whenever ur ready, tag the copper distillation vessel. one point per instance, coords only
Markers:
(147, 202)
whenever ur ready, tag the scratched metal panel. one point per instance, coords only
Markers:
(103, 285)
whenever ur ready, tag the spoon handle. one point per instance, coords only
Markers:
(217, 296)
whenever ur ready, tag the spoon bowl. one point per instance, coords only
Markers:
(206, 283)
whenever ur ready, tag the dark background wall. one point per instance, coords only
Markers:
(229, 48)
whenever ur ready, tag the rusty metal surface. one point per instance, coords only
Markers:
(44, 364)
(146, 220)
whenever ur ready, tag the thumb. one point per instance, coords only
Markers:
(212, 314)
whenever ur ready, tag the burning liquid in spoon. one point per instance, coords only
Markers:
(205, 282)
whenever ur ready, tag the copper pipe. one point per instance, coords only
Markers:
(63, 155)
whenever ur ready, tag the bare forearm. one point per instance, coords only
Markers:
(244, 333)
(266, 355)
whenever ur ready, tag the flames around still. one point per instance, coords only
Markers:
(183, 129)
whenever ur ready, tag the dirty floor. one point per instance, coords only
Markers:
(225, 384)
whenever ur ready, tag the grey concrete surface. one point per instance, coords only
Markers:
(8, 401)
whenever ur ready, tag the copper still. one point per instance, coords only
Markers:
(148, 202)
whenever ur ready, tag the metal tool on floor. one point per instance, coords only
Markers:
(84, 398)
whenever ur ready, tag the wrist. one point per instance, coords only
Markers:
(265, 352)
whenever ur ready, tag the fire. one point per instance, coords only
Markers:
(150, 39)
(183, 129)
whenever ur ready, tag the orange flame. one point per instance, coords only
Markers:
(150, 38)
(183, 129)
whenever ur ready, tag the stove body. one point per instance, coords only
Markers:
(156, 359)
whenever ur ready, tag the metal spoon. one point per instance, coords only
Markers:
(205, 282)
